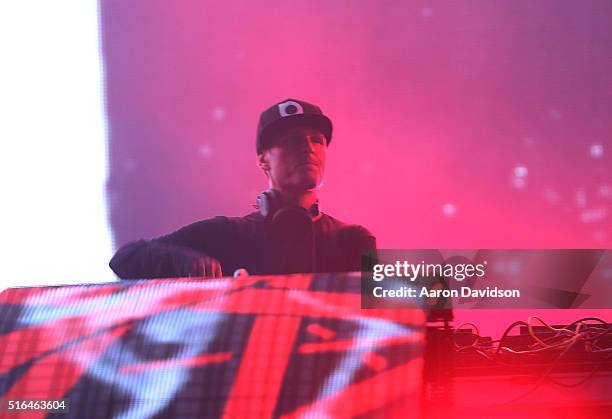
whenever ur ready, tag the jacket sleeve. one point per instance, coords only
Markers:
(172, 255)
(357, 240)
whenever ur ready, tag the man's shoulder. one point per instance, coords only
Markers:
(325, 222)
(219, 221)
(253, 217)
(222, 221)
(219, 227)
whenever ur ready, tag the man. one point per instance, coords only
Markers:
(287, 234)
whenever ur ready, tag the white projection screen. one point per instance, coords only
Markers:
(53, 163)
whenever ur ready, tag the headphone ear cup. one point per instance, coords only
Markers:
(262, 204)
(268, 203)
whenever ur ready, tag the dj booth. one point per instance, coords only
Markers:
(296, 346)
(286, 346)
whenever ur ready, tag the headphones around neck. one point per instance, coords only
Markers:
(270, 201)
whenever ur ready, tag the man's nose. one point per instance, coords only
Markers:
(308, 143)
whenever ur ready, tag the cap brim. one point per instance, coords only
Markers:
(320, 122)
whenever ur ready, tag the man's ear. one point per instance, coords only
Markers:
(263, 162)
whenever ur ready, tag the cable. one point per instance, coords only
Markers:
(563, 340)
(477, 335)
(537, 339)
(507, 331)
(585, 379)
(543, 377)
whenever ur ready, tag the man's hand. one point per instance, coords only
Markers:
(191, 264)
(143, 259)
(209, 267)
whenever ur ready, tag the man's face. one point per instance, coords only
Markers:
(297, 161)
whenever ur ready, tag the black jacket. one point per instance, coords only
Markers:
(239, 242)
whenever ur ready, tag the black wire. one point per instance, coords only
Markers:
(544, 376)
(508, 330)
(595, 333)
(585, 319)
(485, 355)
(585, 379)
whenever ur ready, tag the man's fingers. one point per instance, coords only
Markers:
(193, 265)
(191, 268)
(207, 268)
(217, 269)
(213, 268)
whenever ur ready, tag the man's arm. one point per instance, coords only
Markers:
(193, 250)
(356, 240)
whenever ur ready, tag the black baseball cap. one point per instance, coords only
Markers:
(287, 114)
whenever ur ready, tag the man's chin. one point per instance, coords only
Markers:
(309, 183)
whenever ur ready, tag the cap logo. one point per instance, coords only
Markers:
(289, 108)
